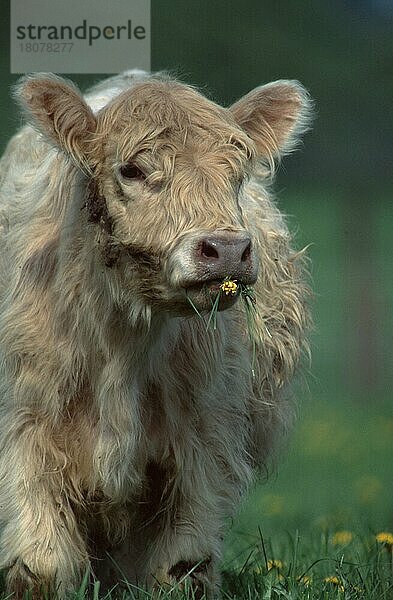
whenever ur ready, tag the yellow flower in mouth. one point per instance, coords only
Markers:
(229, 287)
(385, 538)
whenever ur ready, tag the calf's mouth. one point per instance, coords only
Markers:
(214, 294)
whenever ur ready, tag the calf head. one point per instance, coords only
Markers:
(166, 168)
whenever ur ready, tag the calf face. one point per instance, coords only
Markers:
(166, 170)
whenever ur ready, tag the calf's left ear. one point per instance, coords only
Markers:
(274, 116)
(56, 107)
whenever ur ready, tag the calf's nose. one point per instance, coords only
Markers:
(226, 254)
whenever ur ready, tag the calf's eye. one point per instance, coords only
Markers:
(130, 171)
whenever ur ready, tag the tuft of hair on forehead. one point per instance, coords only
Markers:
(164, 103)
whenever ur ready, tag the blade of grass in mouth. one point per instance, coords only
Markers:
(248, 296)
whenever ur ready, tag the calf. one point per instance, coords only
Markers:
(128, 427)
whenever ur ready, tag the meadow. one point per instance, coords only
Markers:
(314, 530)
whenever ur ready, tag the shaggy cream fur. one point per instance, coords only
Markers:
(126, 427)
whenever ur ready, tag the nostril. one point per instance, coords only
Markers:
(246, 253)
(208, 251)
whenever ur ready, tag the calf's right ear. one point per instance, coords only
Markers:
(56, 107)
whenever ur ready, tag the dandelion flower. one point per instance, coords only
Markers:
(305, 580)
(274, 564)
(229, 287)
(342, 537)
(385, 538)
(335, 581)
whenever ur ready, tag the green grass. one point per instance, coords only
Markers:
(358, 569)
(336, 477)
(312, 566)
(295, 567)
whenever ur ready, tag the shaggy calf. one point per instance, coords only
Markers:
(128, 428)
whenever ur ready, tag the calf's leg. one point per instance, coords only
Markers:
(175, 537)
(40, 543)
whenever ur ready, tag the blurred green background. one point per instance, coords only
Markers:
(336, 191)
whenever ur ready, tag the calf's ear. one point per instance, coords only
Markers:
(56, 107)
(274, 116)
